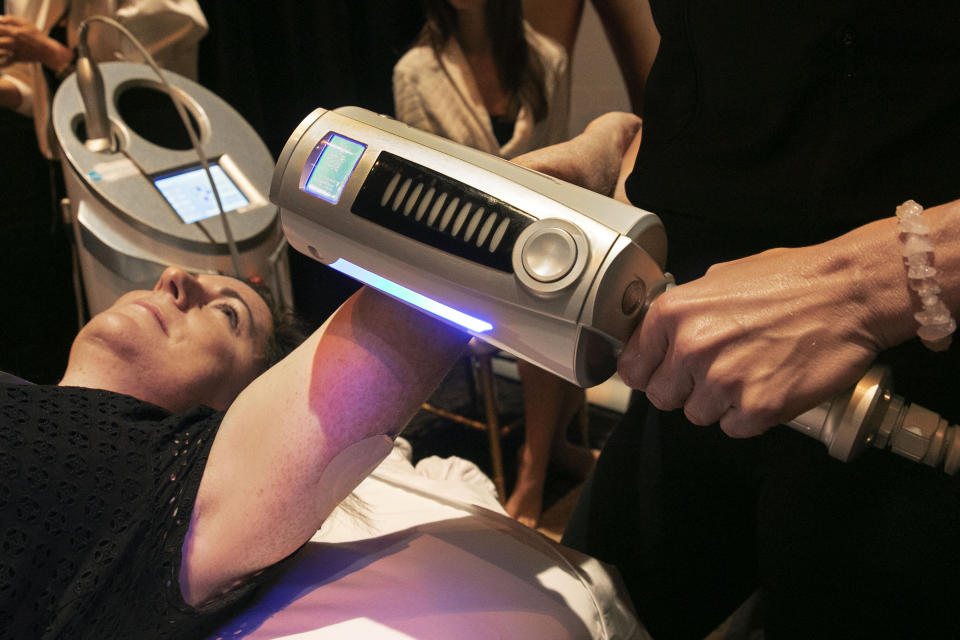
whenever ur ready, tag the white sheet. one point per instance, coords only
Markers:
(437, 558)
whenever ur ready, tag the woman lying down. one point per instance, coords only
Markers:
(131, 509)
(154, 491)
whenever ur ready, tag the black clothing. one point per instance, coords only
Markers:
(773, 125)
(96, 492)
(503, 128)
(791, 124)
(9, 378)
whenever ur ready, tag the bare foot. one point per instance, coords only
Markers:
(526, 502)
(575, 459)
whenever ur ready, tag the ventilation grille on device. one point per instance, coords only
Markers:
(443, 213)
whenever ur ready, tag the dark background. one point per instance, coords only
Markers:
(275, 62)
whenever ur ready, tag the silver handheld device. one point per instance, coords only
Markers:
(553, 273)
(558, 275)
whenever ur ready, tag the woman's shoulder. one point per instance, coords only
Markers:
(551, 51)
(416, 60)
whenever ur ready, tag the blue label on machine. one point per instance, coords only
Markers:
(335, 164)
(188, 192)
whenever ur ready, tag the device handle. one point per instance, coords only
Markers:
(870, 414)
(90, 83)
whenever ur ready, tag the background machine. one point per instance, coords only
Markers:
(139, 200)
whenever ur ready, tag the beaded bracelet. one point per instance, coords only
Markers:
(936, 323)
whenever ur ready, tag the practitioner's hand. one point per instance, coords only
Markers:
(756, 342)
(592, 159)
(22, 41)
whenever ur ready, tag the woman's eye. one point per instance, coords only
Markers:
(231, 313)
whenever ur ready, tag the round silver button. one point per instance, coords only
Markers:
(549, 254)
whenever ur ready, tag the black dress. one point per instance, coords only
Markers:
(96, 492)
(785, 124)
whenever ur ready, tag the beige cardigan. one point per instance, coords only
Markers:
(446, 100)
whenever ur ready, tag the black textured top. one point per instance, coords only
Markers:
(791, 123)
(96, 492)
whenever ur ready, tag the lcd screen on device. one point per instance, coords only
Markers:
(335, 165)
(188, 192)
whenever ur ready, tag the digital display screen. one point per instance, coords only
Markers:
(335, 164)
(188, 192)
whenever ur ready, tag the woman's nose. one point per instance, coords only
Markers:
(182, 286)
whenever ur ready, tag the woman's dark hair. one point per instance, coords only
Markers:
(519, 68)
(289, 331)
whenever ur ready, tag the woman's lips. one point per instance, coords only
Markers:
(156, 314)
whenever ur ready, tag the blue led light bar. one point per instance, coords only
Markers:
(407, 295)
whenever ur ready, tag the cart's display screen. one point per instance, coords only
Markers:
(188, 192)
(335, 164)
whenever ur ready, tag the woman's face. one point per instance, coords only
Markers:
(191, 340)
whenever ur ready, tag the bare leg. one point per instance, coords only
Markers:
(549, 404)
(575, 459)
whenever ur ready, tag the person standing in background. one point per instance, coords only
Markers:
(777, 146)
(462, 79)
(37, 50)
(480, 75)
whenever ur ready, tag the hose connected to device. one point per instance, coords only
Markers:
(870, 414)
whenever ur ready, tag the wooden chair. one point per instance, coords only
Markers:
(479, 363)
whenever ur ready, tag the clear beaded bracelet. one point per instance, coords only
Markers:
(936, 323)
